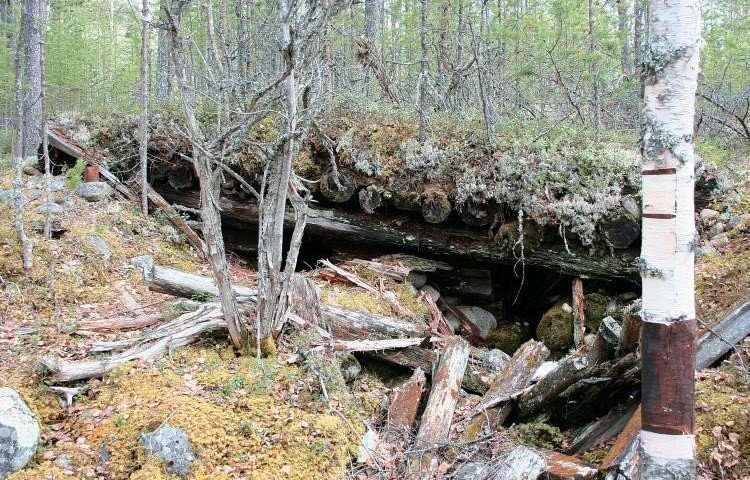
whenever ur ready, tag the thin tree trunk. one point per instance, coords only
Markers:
(18, 159)
(209, 193)
(423, 73)
(31, 31)
(45, 143)
(594, 71)
(667, 251)
(164, 66)
(327, 63)
(373, 9)
(143, 126)
(626, 63)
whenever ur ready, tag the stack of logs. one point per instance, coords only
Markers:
(499, 388)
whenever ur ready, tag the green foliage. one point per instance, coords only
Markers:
(75, 174)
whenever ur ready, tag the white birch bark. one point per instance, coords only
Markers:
(672, 65)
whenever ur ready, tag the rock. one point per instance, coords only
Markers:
(57, 183)
(6, 197)
(32, 172)
(739, 221)
(418, 279)
(496, 359)
(368, 446)
(19, 432)
(171, 234)
(144, 262)
(65, 463)
(100, 246)
(717, 229)
(93, 191)
(350, 368)
(481, 318)
(555, 328)
(508, 336)
(708, 217)
(431, 292)
(471, 471)
(171, 445)
(51, 208)
(33, 194)
(721, 241)
(706, 250)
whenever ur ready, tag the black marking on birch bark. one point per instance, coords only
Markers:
(660, 216)
(667, 388)
(648, 270)
(660, 171)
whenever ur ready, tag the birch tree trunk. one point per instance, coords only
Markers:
(671, 65)
(143, 100)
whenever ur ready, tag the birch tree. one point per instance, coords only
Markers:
(671, 64)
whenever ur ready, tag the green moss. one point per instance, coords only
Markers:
(595, 309)
(508, 336)
(539, 435)
(555, 328)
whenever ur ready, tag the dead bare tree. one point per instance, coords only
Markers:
(143, 100)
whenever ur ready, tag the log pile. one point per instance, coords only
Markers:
(457, 394)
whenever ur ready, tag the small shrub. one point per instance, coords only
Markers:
(75, 174)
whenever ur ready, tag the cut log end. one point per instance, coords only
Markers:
(338, 191)
(370, 199)
(436, 207)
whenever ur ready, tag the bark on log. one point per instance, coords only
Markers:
(438, 414)
(563, 467)
(402, 412)
(119, 324)
(541, 395)
(621, 460)
(630, 334)
(579, 316)
(433, 240)
(602, 429)
(606, 340)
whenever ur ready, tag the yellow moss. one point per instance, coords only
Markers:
(250, 433)
(44, 471)
(721, 403)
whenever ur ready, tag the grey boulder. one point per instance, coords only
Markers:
(171, 445)
(93, 191)
(19, 432)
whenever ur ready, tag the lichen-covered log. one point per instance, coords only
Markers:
(569, 371)
(402, 412)
(438, 414)
(411, 235)
(436, 206)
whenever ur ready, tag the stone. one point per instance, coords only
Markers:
(471, 471)
(93, 191)
(739, 221)
(708, 217)
(33, 194)
(716, 230)
(706, 250)
(481, 318)
(171, 445)
(65, 463)
(58, 182)
(368, 446)
(51, 208)
(100, 246)
(32, 172)
(431, 292)
(19, 432)
(144, 262)
(496, 359)
(721, 241)
(595, 309)
(418, 279)
(350, 368)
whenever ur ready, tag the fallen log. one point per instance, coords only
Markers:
(559, 466)
(436, 420)
(568, 371)
(159, 202)
(523, 463)
(338, 189)
(179, 332)
(602, 429)
(414, 235)
(119, 324)
(402, 412)
(621, 462)
(606, 341)
(515, 377)
(723, 336)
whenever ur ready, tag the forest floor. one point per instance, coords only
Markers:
(250, 418)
